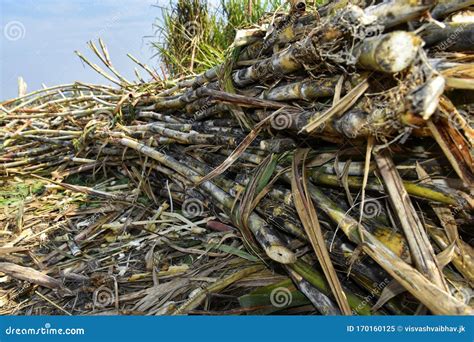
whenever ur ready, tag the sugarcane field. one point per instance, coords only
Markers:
(293, 158)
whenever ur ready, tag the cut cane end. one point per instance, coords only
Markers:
(281, 254)
(397, 51)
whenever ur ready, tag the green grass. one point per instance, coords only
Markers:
(12, 193)
(192, 37)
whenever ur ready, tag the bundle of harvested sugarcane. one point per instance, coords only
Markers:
(333, 148)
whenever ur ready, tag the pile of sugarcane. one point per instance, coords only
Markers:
(338, 142)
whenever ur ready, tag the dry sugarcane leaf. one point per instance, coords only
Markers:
(368, 154)
(29, 274)
(464, 258)
(197, 299)
(438, 300)
(421, 251)
(340, 108)
(454, 117)
(232, 158)
(455, 149)
(309, 219)
(446, 256)
(8, 250)
(320, 159)
(343, 177)
(390, 291)
(84, 189)
(444, 214)
(243, 206)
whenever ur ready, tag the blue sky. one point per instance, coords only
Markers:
(38, 39)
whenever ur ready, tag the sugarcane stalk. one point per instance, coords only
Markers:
(412, 280)
(319, 300)
(318, 281)
(269, 242)
(390, 53)
(453, 37)
(445, 7)
(394, 12)
(303, 90)
(195, 301)
(418, 190)
(277, 214)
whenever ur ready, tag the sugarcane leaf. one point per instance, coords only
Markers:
(228, 86)
(345, 183)
(272, 298)
(456, 150)
(447, 255)
(234, 156)
(266, 174)
(245, 204)
(309, 219)
(421, 251)
(390, 291)
(340, 107)
(232, 250)
(31, 275)
(444, 214)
